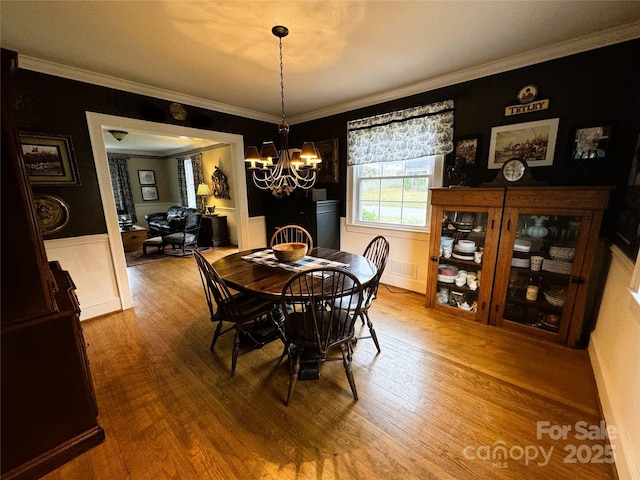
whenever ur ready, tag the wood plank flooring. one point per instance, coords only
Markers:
(442, 397)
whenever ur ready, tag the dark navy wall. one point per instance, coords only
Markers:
(592, 88)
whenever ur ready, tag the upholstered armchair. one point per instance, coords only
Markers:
(186, 235)
(165, 223)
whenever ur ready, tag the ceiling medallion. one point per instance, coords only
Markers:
(294, 169)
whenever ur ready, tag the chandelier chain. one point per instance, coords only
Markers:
(282, 83)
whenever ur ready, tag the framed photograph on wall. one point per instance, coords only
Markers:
(591, 143)
(466, 150)
(49, 159)
(328, 150)
(147, 177)
(149, 193)
(535, 142)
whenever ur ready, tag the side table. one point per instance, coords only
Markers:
(214, 231)
(133, 237)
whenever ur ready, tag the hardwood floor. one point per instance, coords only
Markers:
(443, 395)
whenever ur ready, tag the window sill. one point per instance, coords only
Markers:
(390, 231)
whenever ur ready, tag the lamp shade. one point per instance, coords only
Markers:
(252, 155)
(203, 189)
(268, 150)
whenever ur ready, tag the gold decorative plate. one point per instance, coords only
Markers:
(52, 213)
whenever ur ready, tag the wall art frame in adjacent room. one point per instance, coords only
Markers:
(147, 177)
(534, 142)
(466, 150)
(329, 169)
(149, 193)
(591, 142)
(49, 159)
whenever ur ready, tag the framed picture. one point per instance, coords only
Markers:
(49, 159)
(328, 150)
(535, 142)
(591, 143)
(149, 193)
(466, 150)
(147, 177)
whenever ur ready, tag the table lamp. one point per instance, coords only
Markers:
(203, 192)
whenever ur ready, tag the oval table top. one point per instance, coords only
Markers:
(243, 275)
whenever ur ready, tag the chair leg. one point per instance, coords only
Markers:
(348, 371)
(372, 330)
(294, 374)
(216, 335)
(236, 351)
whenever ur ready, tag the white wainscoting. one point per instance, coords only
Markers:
(232, 222)
(257, 232)
(408, 253)
(88, 261)
(615, 358)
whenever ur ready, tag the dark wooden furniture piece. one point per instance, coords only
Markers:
(378, 252)
(243, 311)
(49, 412)
(268, 282)
(214, 231)
(320, 218)
(133, 237)
(512, 225)
(317, 316)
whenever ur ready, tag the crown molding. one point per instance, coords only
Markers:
(563, 49)
(86, 76)
(559, 50)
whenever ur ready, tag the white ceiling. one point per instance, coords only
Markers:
(339, 55)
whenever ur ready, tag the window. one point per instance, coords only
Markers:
(393, 160)
(190, 183)
(395, 192)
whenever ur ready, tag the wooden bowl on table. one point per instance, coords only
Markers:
(290, 252)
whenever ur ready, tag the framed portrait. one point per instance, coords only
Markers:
(149, 193)
(591, 143)
(328, 150)
(147, 177)
(535, 142)
(466, 150)
(49, 159)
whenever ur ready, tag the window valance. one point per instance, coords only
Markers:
(401, 135)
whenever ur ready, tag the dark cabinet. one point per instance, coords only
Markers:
(214, 231)
(320, 218)
(49, 412)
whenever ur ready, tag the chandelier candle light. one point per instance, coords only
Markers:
(292, 170)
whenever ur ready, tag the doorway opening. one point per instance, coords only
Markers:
(99, 123)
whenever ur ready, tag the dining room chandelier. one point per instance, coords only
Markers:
(292, 170)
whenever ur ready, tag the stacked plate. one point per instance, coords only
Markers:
(447, 273)
(521, 253)
(463, 250)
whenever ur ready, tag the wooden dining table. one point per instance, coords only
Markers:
(267, 281)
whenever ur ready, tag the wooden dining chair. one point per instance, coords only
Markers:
(315, 322)
(291, 233)
(378, 252)
(248, 314)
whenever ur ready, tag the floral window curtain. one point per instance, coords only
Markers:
(196, 163)
(401, 135)
(182, 183)
(121, 186)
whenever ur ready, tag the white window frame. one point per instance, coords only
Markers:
(190, 184)
(353, 199)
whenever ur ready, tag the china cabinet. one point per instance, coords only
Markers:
(535, 245)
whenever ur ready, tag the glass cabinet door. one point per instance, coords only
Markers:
(463, 260)
(542, 268)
